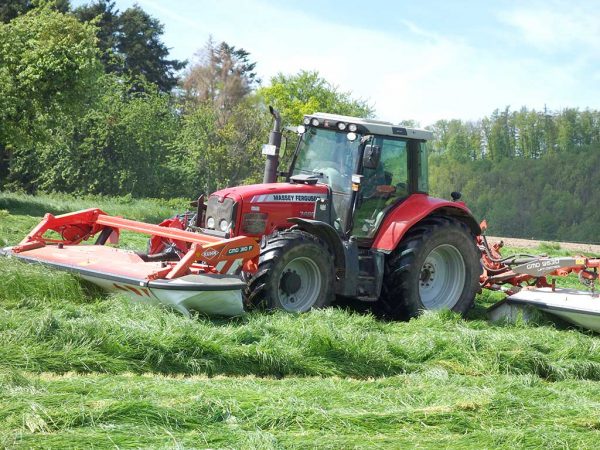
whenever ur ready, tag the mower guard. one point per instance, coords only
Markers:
(205, 279)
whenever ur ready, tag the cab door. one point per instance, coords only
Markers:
(382, 186)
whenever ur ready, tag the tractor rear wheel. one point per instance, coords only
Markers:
(295, 273)
(436, 266)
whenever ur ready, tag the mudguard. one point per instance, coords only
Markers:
(412, 210)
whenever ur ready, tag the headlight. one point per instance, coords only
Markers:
(341, 126)
(314, 122)
(210, 223)
(223, 225)
(352, 127)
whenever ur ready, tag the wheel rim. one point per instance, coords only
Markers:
(299, 285)
(442, 278)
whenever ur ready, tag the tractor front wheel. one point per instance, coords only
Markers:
(436, 266)
(295, 273)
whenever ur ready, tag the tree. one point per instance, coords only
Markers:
(9, 9)
(143, 52)
(307, 92)
(48, 68)
(569, 135)
(458, 144)
(131, 43)
(223, 75)
(500, 135)
(105, 17)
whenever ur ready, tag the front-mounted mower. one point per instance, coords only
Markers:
(352, 219)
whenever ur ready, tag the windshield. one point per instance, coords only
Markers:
(332, 158)
(329, 155)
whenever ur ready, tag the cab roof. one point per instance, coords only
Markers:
(370, 126)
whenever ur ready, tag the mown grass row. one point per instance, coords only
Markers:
(432, 409)
(50, 322)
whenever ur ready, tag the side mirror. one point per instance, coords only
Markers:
(371, 157)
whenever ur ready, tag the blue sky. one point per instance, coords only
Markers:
(422, 60)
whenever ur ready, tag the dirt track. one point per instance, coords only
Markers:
(526, 243)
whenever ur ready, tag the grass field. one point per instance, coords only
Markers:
(79, 369)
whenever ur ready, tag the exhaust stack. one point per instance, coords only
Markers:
(272, 148)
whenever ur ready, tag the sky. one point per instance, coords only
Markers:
(424, 60)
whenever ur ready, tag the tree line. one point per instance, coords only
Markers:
(518, 134)
(91, 102)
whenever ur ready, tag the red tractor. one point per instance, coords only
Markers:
(352, 219)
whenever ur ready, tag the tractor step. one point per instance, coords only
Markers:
(367, 281)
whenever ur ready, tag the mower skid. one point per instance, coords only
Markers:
(205, 278)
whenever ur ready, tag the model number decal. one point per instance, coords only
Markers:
(237, 250)
(546, 264)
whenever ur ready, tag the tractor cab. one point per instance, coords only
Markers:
(369, 166)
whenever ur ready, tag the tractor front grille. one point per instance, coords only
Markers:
(220, 211)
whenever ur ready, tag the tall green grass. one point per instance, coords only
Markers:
(432, 409)
(79, 369)
(49, 322)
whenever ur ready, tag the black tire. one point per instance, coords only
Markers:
(411, 270)
(292, 263)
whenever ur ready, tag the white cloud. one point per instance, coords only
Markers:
(408, 73)
(558, 25)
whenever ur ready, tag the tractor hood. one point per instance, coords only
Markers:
(274, 192)
(260, 209)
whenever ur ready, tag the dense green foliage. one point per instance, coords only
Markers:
(48, 68)
(214, 151)
(82, 369)
(68, 127)
(530, 174)
(306, 93)
(526, 134)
